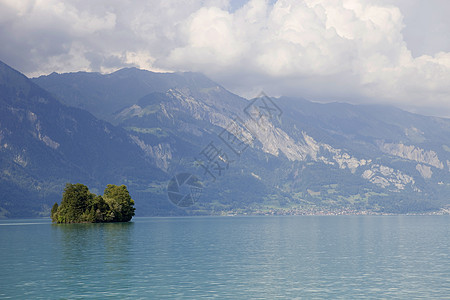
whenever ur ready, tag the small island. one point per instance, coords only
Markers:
(79, 205)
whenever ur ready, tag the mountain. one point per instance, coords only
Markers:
(270, 155)
(44, 144)
(103, 95)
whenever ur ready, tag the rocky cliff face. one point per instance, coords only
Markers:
(413, 153)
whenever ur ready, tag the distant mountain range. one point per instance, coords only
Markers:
(262, 155)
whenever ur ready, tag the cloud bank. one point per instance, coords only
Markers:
(324, 50)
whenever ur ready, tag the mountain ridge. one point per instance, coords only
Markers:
(295, 156)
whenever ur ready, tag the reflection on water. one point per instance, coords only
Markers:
(111, 240)
(94, 252)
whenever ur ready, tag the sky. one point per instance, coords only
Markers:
(394, 52)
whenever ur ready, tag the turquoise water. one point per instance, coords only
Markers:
(341, 257)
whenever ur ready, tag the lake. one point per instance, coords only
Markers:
(338, 257)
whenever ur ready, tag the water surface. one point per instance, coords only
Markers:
(346, 257)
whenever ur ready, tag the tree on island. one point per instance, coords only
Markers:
(78, 205)
(121, 206)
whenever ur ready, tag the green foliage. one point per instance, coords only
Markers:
(78, 205)
(120, 203)
(54, 212)
(99, 209)
(75, 202)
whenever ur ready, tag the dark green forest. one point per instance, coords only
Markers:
(79, 205)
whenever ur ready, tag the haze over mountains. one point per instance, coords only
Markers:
(140, 128)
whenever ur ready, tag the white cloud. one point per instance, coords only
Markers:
(348, 50)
